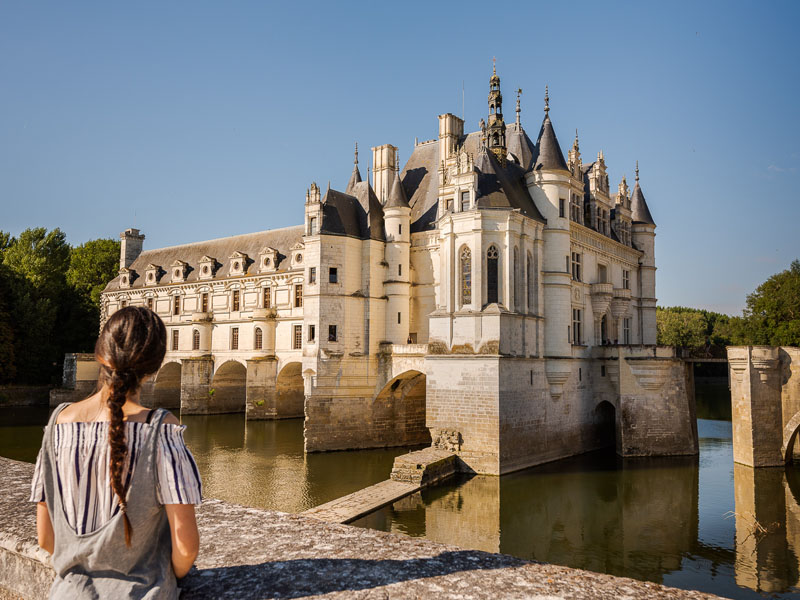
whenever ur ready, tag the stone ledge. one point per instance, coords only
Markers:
(250, 553)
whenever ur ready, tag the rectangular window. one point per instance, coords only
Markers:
(626, 279)
(234, 338)
(176, 305)
(175, 335)
(298, 295)
(602, 371)
(204, 302)
(398, 318)
(576, 266)
(464, 201)
(400, 229)
(195, 340)
(312, 333)
(312, 226)
(626, 331)
(576, 325)
(567, 264)
(312, 275)
(124, 303)
(399, 270)
(561, 207)
(448, 204)
(297, 341)
(331, 333)
(333, 275)
(235, 300)
(150, 303)
(267, 297)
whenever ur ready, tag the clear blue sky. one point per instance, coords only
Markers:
(195, 120)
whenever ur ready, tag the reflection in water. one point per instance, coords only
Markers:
(667, 520)
(261, 463)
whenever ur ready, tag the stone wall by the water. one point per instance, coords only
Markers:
(250, 553)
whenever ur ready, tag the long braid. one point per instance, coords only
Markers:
(119, 385)
(131, 346)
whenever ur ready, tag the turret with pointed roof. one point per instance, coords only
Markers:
(548, 151)
(355, 177)
(639, 209)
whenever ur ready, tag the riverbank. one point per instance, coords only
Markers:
(251, 553)
(24, 395)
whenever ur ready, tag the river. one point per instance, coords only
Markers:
(684, 522)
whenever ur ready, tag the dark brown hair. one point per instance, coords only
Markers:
(131, 346)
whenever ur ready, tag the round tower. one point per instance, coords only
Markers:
(643, 236)
(397, 219)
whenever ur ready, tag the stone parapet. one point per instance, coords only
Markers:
(250, 553)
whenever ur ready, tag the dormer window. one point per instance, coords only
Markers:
(207, 266)
(152, 274)
(267, 260)
(238, 265)
(126, 277)
(297, 254)
(179, 270)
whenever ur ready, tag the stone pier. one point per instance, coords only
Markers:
(765, 402)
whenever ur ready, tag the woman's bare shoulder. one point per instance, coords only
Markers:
(78, 411)
(170, 419)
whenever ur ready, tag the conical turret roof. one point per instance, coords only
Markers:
(397, 195)
(548, 151)
(640, 213)
(355, 177)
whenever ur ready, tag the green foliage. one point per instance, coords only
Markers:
(91, 266)
(772, 315)
(8, 365)
(678, 326)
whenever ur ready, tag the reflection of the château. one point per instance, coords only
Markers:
(637, 518)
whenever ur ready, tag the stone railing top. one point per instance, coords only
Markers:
(602, 288)
(622, 293)
(262, 314)
(398, 349)
(201, 317)
(251, 553)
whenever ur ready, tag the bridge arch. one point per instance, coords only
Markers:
(401, 404)
(228, 388)
(290, 390)
(166, 390)
(790, 437)
(605, 419)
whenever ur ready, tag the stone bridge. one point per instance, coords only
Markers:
(765, 402)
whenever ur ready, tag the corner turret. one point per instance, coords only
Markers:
(644, 238)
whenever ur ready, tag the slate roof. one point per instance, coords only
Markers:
(221, 249)
(520, 145)
(358, 214)
(498, 187)
(397, 196)
(547, 154)
(639, 211)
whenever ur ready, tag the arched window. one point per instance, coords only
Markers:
(492, 258)
(517, 281)
(466, 276)
(259, 340)
(529, 281)
(195, 340)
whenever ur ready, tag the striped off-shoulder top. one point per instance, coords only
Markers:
(82, 467)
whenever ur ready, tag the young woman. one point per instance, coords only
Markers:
(115, 484)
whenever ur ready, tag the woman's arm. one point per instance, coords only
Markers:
(44, 527)
(185, 538)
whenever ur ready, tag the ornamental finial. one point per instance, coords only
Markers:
(519, 93)
(355, 160)
(546, 100)
(637, 171)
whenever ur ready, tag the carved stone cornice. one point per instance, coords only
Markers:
(597, 242)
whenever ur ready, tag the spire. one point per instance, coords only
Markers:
(575, 144)
(574, 158)
(519, 93)
(549, 155)
(640, 213)
(496, 129)
(355, 177)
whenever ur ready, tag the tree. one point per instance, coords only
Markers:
(678, 326)
(92, 265)
(8, 365)
(772, 315)
(35, 264)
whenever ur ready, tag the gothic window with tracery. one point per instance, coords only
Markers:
(466, 276)
(492, 259)
(259, 339)
(195, 340)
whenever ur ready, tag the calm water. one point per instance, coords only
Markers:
(666, 520)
